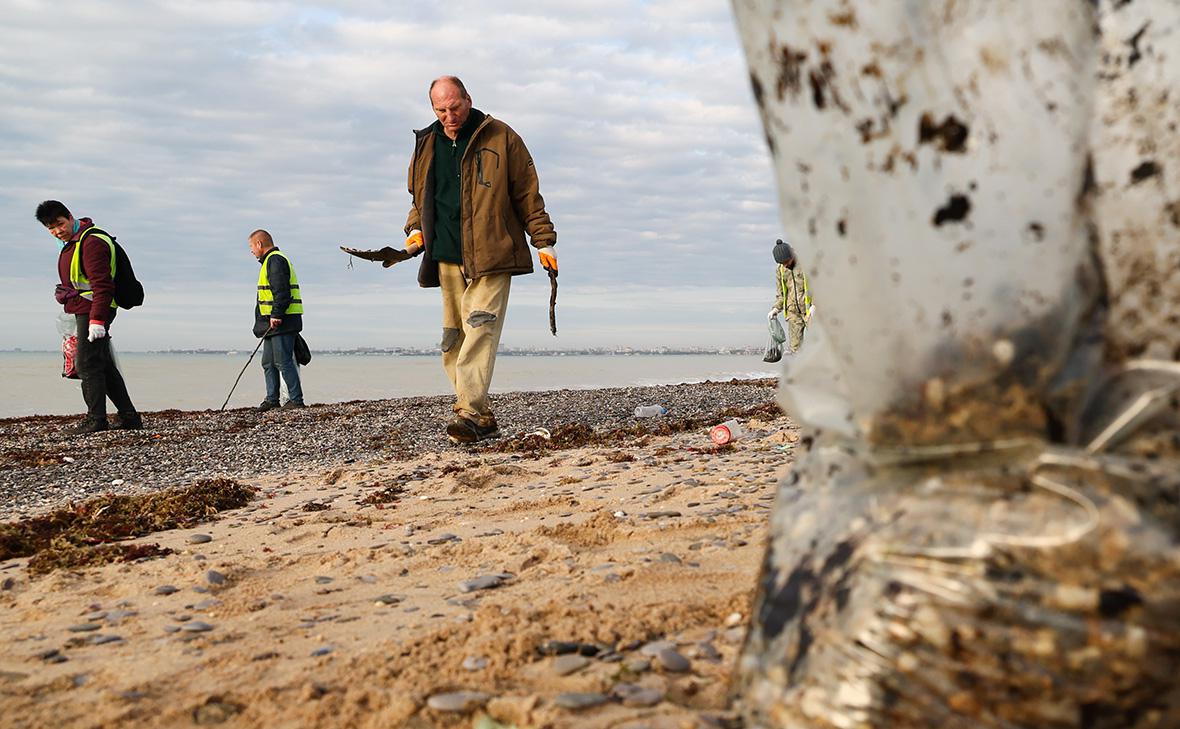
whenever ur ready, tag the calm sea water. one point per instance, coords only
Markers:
(31, 383)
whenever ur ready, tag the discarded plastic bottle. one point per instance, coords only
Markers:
(650, 411)
(726, 432)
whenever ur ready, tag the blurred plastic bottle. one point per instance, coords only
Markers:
(650, 411)
(726, 432)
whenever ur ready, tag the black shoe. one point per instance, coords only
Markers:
(266, 405)
(292, 405)
(463, 430)
(130, 421)
(89, 425)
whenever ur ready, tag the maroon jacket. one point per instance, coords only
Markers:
(96, 264)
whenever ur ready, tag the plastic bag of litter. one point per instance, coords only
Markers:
(984, 530)
(774, 347)
(66, 326)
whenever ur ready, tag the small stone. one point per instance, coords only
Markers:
(83, 627)
(567, 664)
(458, 701)
(215, 578)
(118, 482)
(196, 627)
(637, 696)
(199, 538)
(638, 665)
(475, 663)
(483, 582)
(388, 599)
(104, 639)
(323, 651)
(322, 579)
(7, 584)
(653, 649)
(205, 604)
(673, 661)
(576, 700)
(669, 557)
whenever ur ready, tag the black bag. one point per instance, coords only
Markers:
(302, 351)
(128, 289)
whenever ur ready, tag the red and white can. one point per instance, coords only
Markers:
(726, 432)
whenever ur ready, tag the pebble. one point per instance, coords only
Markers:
(483, 582)
(322, 651)
(199, 538)
(576, 700)
(669, 557)
(98, 639)
(672, 661)
(637, 696)
(458, 701)
(389, 599)
(215, 578)
(475, 663)
(638, 665)
(654, 648)
(567, 664)
(322, 579)
(84, 627)
(196, 627)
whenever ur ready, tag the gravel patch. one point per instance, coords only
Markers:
(41, 468)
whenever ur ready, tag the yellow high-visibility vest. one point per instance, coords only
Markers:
(78, 279)
(783, 273)
(266, 297)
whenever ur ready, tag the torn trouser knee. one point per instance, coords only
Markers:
(450, 337)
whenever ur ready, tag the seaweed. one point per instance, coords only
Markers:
(72, 557)
(111, 518)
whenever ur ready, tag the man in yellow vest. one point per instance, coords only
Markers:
(278, 316)
(791, 295)
(86, 268)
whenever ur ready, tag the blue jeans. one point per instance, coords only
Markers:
(278, 355)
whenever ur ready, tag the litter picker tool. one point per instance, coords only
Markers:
(552, 301)
(231, 390)
(387, 255)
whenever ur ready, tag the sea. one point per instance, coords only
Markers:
(31, 383)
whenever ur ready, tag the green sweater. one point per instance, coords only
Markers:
(448, 153)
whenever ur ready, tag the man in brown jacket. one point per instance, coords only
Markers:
(475, 196)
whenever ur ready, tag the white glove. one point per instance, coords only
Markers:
(414, 242)
(97, 331)
(771, 314)
(548, 258)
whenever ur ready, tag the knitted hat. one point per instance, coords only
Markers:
(782, 251)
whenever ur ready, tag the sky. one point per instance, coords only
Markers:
(180, 127)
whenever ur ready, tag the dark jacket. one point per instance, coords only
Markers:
(96, 265)
(279, 275)
(500, 199)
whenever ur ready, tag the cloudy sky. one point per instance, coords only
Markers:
(182, 126)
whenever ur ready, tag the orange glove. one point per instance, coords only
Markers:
(548, 258)
(414, 242)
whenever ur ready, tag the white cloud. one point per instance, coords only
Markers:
(183, 127)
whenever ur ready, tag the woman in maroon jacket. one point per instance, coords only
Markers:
(87, 291)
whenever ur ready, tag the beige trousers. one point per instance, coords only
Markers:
(473, 317)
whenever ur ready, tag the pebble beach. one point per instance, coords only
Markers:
(586, 569)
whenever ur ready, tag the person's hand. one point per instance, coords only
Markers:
(771, 314)
(275, 323)
(98, 330)
(64, 293)
(414, 242)
(548, 258)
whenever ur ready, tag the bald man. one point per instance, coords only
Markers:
(475, 197)
(278, 317)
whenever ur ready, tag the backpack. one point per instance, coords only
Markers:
(128, 289)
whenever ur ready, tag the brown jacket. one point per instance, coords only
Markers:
(500, 202)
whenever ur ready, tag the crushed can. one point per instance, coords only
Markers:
(726, 432)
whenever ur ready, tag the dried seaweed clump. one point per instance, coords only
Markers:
(112, 518)
(48, 560)
(387, 495)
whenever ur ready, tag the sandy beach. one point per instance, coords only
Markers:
(599, 577)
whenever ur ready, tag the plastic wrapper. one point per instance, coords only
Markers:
(985, 529)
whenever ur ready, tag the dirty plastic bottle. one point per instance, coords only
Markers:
(726, 432)
(650, 411)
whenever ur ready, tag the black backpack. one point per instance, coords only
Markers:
(128, 289)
